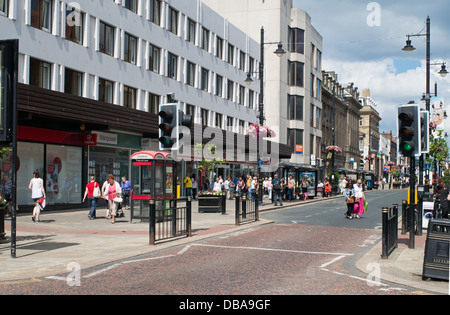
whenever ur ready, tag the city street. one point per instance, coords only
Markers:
(310, 249)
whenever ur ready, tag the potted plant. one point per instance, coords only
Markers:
(210, 201)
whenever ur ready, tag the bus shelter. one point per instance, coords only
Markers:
(152, 178)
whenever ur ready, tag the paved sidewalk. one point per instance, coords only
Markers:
(47, 248)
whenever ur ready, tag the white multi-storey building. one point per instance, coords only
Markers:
(103, 67)
(293, 83)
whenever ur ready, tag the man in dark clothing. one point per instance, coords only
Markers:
(277, 190)
(441, 192)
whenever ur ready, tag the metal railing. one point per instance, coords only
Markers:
(171, 222)
(390, 231)
(246, 209)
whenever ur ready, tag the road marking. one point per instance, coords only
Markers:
(331, 262)
(275, 250)
(96, 273)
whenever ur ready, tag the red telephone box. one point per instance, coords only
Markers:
(152, 178)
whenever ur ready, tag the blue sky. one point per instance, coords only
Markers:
(362, 42)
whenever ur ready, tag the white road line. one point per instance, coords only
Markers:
(331, 262)
(275, 250)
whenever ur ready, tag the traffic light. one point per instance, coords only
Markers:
(408, 142)
(168, 123)
(425, 131)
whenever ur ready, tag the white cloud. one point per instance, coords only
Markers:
(387, 87)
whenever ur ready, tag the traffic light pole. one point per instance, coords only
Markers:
(412, 201)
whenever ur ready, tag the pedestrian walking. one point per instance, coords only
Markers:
(188, 186)
(349, 195)
(358, 208)
(327, 188)
(441, 193)
(7, 193)
(113, 191)
(217, 186)
(269, 188)
(194, 187)
(304, 189)
(125, 185)
(37, 193)
(232, 187)
(241, 186)
(291, 186)
(277, 190)
(89, 193)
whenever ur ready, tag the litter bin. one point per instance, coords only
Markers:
(436, 260)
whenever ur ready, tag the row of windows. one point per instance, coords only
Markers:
(40, 75)
(41, 13)
(159, 60)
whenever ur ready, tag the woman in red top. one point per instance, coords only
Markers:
(89, 192)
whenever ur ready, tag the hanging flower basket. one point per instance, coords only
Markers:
(257, 131)
(334, 148)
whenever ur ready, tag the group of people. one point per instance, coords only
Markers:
(355, 199)
(116, 194)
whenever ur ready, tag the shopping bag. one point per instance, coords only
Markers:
(41, 203)
(366, 204)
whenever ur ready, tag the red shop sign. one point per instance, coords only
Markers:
(90, 139)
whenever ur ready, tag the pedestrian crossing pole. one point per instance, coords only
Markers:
(412, 201)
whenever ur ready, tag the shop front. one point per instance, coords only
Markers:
(111, 155)
(58, 156)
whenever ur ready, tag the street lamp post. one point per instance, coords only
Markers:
(279, 52)
(443, 72)
(409, 48)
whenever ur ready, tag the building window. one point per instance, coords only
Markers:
(191, 31)
(251, 99)
(219, 48)
(295, 107)
(41, 14)
(241, 126)
(173, 21)
(205, 79)
(105, 91)
(40, 73)
(311, 116)
(204, 117)
(295, 138)
(251, 65)
(172, 66)
(230, 124)
(241, 95)
(129, 97)
(230, 90)
(154, 59)
(4, 4)
(74, 25)
(106, 39)
(295, 74)
(131, 5)
(242, 60)
(190, 110)
(155, 11)
(318, 118)
(190, 74)
(296, 40)
(219, 121)
(230, 54)
(205, 39)
(73, 82)
(130, 49)
(219, 85)
(153, 103)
